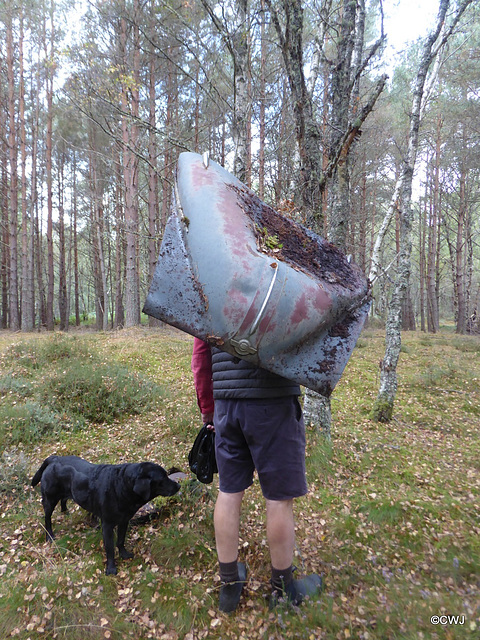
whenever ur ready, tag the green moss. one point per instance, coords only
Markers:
(382, 410)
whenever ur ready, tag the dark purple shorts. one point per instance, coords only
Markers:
(268, 435)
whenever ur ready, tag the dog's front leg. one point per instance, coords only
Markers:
(121, 533)
(108, 542)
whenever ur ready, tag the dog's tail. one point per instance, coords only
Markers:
(38, 476)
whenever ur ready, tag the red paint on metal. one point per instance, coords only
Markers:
(238, 236)
(234, 310)
(311, 300)
(265, 325)
(320, 298)
(250, 315)
(202, 177)
(300, 311)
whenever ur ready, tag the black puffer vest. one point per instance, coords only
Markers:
(236, 378)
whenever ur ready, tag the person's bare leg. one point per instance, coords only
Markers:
(227, 525)
(281, 541)
(232, 573)
(280, 532)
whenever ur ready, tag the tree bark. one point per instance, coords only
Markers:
(460, 280)
(76, 283)
(48, 145)
(262, 106)
(62, 272)
(119, 319)
(421, 253)
(153, 207)
(236, 41)
(130, 171)
(433, 320)
(4, 214)
(241, 109)
(27, 315)
(96, 228)
(33, 206)
(13, 307)
(308, 131)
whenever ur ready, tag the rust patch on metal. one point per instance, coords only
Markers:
(216, 341)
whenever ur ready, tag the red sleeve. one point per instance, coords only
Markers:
(202, 375)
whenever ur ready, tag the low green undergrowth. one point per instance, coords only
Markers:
(62, 382)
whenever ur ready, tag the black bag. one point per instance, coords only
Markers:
(201, 459)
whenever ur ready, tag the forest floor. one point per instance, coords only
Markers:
(391, 520)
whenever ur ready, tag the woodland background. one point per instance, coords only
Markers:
(96, 102)
(98, 99)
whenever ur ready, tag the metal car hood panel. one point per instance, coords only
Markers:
(217, 279)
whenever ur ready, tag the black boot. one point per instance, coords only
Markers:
(296, 591)
(230, 592)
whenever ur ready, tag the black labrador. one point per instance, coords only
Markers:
(112, 492)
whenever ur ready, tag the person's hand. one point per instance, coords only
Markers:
(208, 421)
(210, 426)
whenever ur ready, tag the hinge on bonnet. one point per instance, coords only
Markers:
(243, 347)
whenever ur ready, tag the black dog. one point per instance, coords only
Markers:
(112, 492)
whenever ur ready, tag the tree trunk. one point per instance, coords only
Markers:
(433, 321)
(13, 194)
(235, 38)
(48, 145)
(241, 108)
(75, 244)
(360, 252)
(375, 261)
(317, 412)
(62, 272)
(119, 319)
(33, 207)
(101, 261)
(460, 280)
(39, 252)
(280, 155)
(421, 252)
(27, 315)
(343, 108)
(96, 227)
(308, 131)
(130, 172)
(262, 105)
(168, 162)
(4, 211)
(153, 208)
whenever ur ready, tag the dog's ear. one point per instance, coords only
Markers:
(142, 488)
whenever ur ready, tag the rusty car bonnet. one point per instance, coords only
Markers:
(234, 272)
